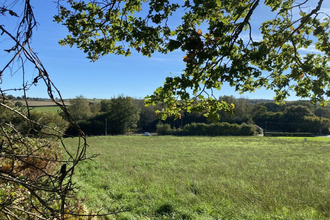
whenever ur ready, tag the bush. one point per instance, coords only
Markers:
(247, 130)
(47, 121)
(196, 129)
(163, 129)
(219, 129)
(234, 129)
(202, 129)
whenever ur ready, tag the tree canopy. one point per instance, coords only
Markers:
(224, 42)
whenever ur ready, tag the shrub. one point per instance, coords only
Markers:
(202, 129)
(234, 129)
(225, 128)
(163, 129)
(247, 130)
(196, 129)
(219, 129)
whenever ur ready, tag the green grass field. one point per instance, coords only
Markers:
(167, 177)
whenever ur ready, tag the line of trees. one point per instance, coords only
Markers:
(292, 117)
(122, 114)
(115, 116)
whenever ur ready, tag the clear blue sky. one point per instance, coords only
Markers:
(112, 75)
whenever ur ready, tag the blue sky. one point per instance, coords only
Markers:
(112, 75)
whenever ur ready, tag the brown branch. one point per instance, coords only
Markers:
(239, 29)
(304, 19)
(46, 182)
(29, 213)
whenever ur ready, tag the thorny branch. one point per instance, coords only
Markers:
(35, 182)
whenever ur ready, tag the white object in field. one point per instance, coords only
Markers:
(146, 134)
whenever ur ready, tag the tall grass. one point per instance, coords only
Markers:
(208, 177)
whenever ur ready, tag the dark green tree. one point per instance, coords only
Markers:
(122, 116)
(296, 113)
(258, 112)
(148, 118)
(322, 112)
(293, 117)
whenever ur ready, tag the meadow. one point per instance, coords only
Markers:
(168, 177)
(47, 109)
(46, 106)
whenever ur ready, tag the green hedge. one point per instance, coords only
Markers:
(202, 129)
(164, 129)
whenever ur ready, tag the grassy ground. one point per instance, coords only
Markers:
(166, 177)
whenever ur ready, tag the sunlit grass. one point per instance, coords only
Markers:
(208, 177)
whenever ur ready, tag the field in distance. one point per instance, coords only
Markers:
(47, 106)
(42, 103)
(167, 177)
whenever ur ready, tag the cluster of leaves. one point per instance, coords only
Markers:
(99, 28)
(221, 54)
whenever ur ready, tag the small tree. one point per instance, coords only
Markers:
(122, 115)
(79, 108)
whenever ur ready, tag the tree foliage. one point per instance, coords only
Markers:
(115, 116)
(222, 42)
(123, 115)
(79, 108)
